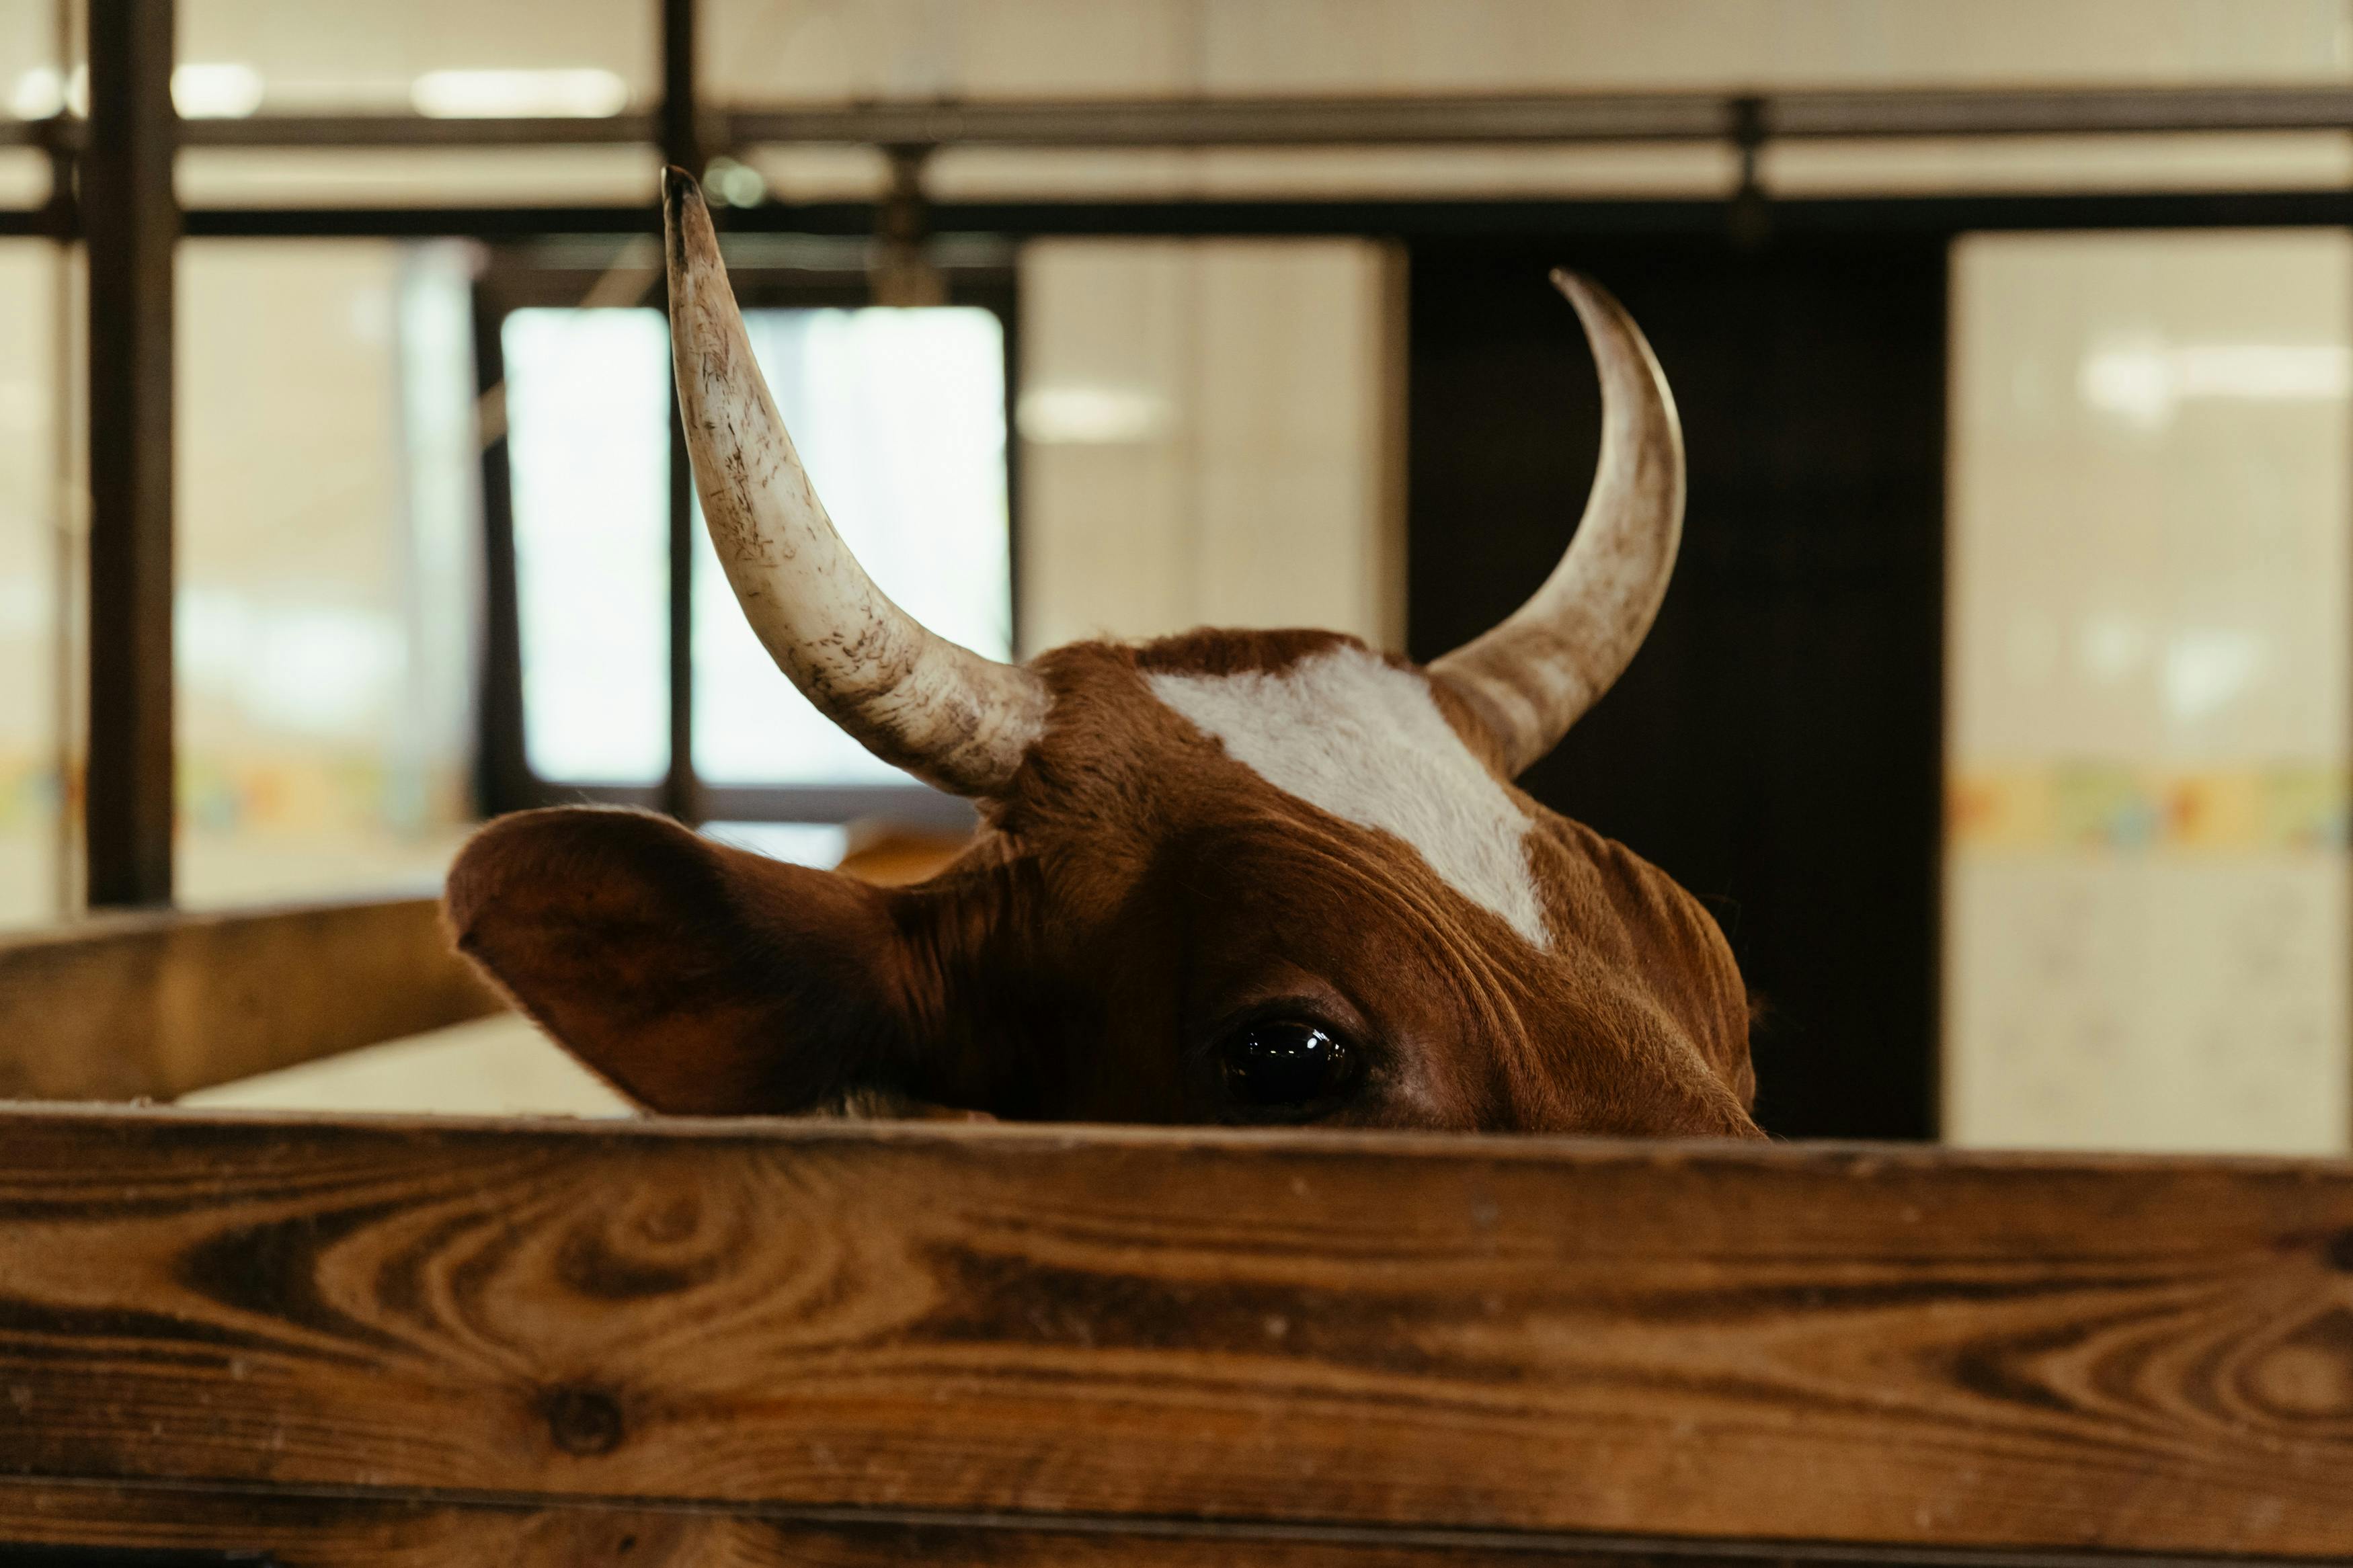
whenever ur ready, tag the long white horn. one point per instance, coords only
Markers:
(1534, 675)
(913, 697)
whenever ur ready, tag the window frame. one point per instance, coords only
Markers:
(765, 276)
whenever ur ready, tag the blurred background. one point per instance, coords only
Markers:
(1999, 708)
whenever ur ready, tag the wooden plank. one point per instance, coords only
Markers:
(327, 1530)
(293, 1531)
(158, 1004)
(1894, 1347)
(131, 222)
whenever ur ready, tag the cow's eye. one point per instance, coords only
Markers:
(1283, 1063)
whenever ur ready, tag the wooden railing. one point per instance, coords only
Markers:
(397, 1341)
(772, 1342)
(153, 1006)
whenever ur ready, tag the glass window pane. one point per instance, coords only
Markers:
(327, 540)
(900, 416)
(2146, 920)
(587, 435)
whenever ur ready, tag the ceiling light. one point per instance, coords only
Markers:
(1091, 416)
(219, 90)
(518, 94)
(37, 94)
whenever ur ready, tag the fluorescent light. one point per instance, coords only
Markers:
(515, 94)
(37, 94)
(41, 92)
(1091, 416)
(217, 90)
(2145, 382)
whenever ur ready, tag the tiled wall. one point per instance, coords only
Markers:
(1209, 433)
(2147, 938)
(29, 540)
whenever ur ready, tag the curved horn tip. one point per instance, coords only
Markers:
(1531, 676)
(1593, 302)
(686, 219)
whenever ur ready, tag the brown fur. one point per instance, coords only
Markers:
(1133, 890)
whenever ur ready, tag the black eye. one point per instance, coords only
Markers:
(1284, 1063)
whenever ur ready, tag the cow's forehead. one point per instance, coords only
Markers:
(1349, 734)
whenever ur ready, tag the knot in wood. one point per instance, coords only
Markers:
(584, 1421)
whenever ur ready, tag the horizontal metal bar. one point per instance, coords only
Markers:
(2055, 113)
(1178, 217)
(1249, 123)
(57, 131)
(1554, 119)
(347, 131)
(1182, 217)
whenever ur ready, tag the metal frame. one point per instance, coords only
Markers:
(681, 146)
(119, 164)
(1456, 120)
(130, 222)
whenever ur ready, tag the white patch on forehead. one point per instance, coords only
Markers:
(1354, 735)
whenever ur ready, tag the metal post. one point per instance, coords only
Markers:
(682, 146)
(130, 222)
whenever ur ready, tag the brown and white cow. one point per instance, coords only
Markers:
(1225, 876)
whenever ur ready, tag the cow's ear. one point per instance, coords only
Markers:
(696, 978)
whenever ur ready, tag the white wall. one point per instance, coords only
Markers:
(30, 503)
(2152, 466)
(1210, 438)
(327, 552)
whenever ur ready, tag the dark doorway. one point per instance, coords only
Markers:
(1776, 746)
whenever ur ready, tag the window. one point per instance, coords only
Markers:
(898, 415)
(585, 407)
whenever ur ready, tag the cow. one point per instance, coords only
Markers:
(1226, 877)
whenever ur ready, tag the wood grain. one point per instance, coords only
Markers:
(1899, 1347)
(155, 1004)
(310, 1531)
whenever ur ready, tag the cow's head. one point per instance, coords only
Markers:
(1224, 876)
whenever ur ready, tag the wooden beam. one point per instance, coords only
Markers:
(1883, 1348)
(157, 1003)
(129, 224)
(297, 1530)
